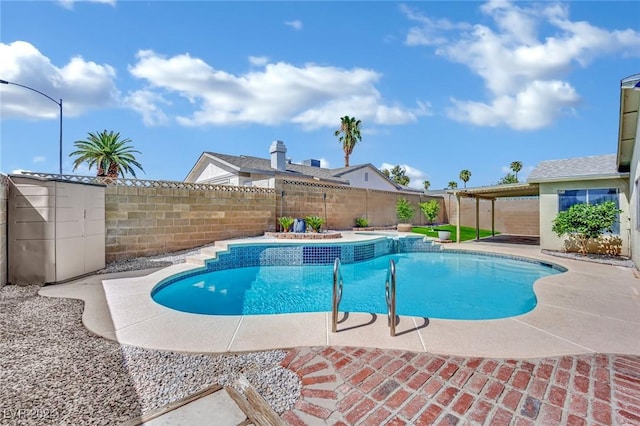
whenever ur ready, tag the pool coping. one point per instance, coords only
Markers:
(590, 308)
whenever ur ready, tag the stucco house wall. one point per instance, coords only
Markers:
(368, 178)
(549, 207)
(634, 207)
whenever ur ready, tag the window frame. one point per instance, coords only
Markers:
(616, 225)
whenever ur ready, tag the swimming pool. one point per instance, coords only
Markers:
(430, 283)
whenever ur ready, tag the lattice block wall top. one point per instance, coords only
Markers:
(142, 183)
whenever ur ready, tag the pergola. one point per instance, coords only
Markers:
(491, 193)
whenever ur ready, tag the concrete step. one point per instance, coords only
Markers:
(198, 259)
(211, 251)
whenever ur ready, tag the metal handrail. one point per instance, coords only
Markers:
(390, 296)
(337, 294)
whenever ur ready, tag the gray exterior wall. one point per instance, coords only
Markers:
(549, 210)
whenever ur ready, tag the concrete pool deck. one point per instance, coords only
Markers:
(555, 365)
(591, 308)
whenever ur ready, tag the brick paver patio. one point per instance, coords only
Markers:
(357, 386)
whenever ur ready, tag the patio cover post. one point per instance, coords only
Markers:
(457, 217)
(477, 218)
(493, 217)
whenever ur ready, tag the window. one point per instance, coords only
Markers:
(366, 176)
(569, 197)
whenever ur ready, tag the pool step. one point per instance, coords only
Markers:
(197, 259)
(206, 253)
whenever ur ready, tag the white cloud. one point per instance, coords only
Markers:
(258, 60)
(146, 103)
(39, 159)
(534, 107)
(524, 71)
(311, 95)
(416, 176)
(296, 25)
(324, 163)
(81, 84)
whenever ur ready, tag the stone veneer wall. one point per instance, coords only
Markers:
(142, 221)
(4, 196)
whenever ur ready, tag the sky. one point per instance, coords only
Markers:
(438, 86)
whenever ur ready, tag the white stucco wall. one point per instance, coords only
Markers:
(215, 175)
(549, 209)
(357, 179)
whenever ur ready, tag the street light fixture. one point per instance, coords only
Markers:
(51, 99)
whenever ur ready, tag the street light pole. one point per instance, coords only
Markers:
(51, 99)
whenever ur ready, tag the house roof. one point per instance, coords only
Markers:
(249, 164)
(245, 163)
(627, 129)
(581, 168)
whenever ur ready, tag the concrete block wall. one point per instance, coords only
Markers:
(143, 221)
(4, 197)
(344, 204)
(518, 216)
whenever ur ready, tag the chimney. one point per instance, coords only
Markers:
(278, 155)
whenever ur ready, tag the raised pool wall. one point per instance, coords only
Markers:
(4, 197)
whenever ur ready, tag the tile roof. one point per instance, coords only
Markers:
(581, 167)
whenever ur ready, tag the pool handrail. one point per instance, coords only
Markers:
(390, 296)
(337, 294)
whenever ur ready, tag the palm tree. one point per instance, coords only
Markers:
(110, 154)
(452, 185)
(516, 166)
(426, 184)
(464, 176)
(350, 130)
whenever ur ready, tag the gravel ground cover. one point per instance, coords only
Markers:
(54, 371)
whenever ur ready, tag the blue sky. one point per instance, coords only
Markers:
(439, 86)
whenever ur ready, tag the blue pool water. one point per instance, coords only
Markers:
(430, 285)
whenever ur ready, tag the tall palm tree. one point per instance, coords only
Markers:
(350, 130)
(465, 175)
(516, 166)
(108, 152)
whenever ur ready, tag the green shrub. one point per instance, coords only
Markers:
(404, 210)
(314, 222)
(430, 209)
(362, 222)
(586, 221)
